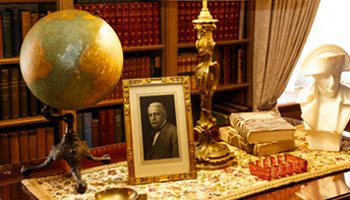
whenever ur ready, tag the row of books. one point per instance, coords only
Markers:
(15, 24)
(230, 16)
(259, 133)
(136, 67)
(101, 128)
(15, 98)
(136, 23)
(230, 59)
(232, 64)
(26, 145)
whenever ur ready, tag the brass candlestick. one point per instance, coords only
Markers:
(209, 153)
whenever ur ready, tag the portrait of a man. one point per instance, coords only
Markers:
(160, 137)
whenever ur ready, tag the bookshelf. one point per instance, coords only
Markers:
(161, 55)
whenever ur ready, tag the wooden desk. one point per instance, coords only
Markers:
(328, 187)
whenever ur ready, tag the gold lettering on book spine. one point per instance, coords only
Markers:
(209, 153)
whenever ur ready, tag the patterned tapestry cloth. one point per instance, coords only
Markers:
(229, 183)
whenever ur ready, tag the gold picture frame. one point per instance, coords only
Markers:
(145, 164)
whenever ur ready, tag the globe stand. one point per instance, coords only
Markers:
(71, 149)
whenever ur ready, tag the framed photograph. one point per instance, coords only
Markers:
(159, 129)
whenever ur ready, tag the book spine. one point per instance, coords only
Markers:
(1, 38)
(14, 92)
(95, 133)
(7, 33)
(23, 97)
(80, 127)
(132, 24)
(41, 142)
(144, 24)
(50, 139)
(26, 22)
(102, 115)
(118, 125)
(126, 25)
(33, 105)
(241, 20)
(87, 124)
(17, 32)
(110, 126)
(32, 144)
(156, 22)
(151, 24)
(5, 148)
(14, 148)
(5, 93)
(240, 66)
(23, 145)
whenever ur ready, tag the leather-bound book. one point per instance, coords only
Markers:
(5, 93)
(1, 39)
(26, 22)
(16, 31)
(87, 126)
(33, 105)
(32, 144)
(23, 97)
(110, 126)
(5, 148)
(95, 133)
(50, 139)
(102, 125)
(23, 145)
(14, 92)
(7, 32)
(41, 141)
(14, 148)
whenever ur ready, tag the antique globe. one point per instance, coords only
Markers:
(71, 59)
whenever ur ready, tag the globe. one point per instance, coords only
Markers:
(71, 59)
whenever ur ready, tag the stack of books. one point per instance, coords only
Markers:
(259, 133)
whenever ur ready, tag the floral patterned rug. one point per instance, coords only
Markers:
(229, 183)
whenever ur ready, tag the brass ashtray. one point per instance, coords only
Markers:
(117, 194)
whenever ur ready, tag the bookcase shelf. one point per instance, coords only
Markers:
(27, 1)
(143, 48)
(226, 87)
(22, 121)
(7, 61)
(15, 60)
(219, 43)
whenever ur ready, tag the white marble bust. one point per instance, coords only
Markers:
(325, 104)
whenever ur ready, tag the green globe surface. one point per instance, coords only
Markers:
(71, 59)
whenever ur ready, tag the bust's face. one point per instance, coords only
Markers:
(156, 116)
(328, 84)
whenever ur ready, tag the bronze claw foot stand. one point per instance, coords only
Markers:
(71, 149)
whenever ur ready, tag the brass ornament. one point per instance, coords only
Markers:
(209, 153)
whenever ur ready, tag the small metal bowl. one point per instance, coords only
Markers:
(117, 194)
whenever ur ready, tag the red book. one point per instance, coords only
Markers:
(102, 124)
(234, 14)
(138, 23)
(50, 139)
(110, 126)
(126, 24)
(132, 24)
(23, 146)
(95, 133)
(150, 23)
(156, 22)
(5, 148)
(119, 21)
(144, 23)
(181, 19)
(32, 144)
(14, 148)
(41, 142)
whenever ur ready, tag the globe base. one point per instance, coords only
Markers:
(71, 149)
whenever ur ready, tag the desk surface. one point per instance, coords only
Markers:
(335, 186)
